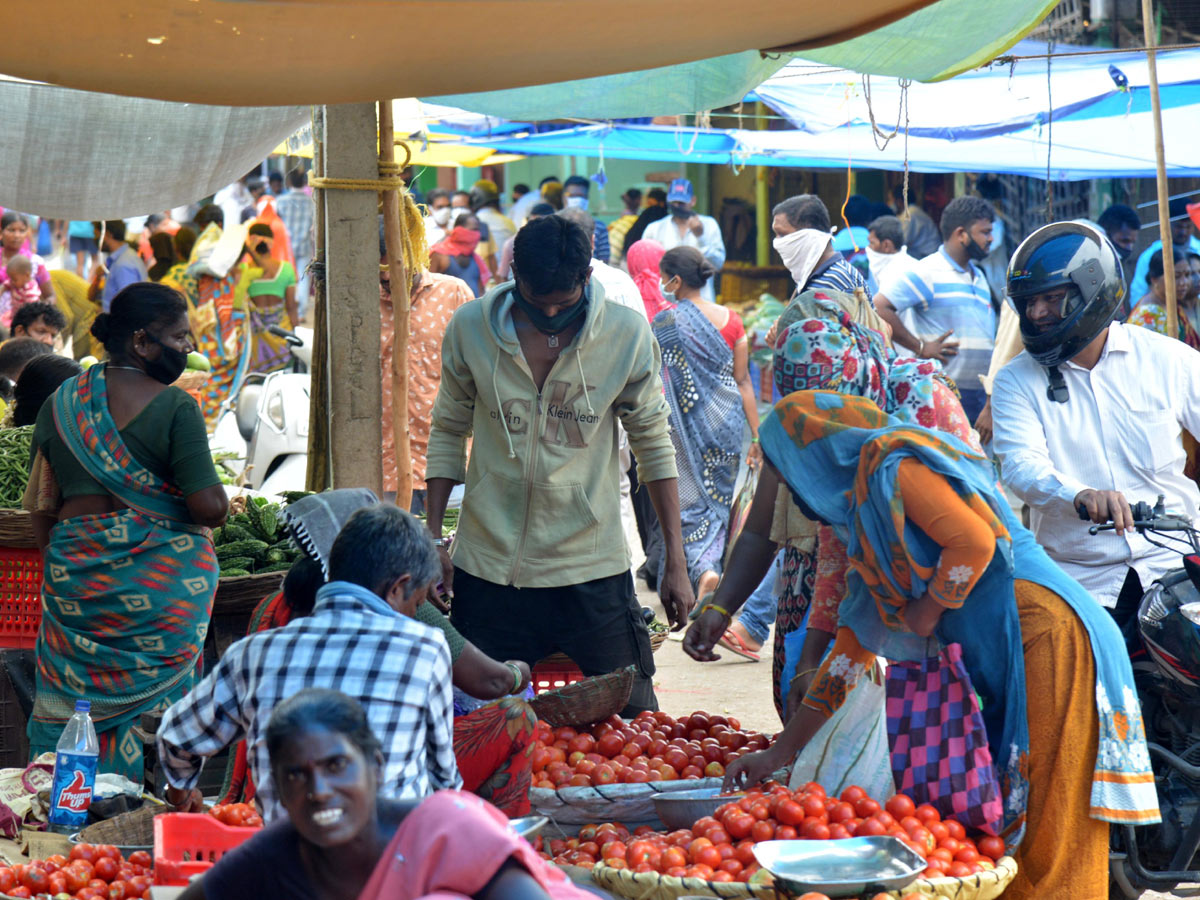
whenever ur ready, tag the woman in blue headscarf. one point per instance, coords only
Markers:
(933, 549)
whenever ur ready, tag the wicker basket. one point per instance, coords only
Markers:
(652, 886)
(16, 529)
(587, 701)
(242, 594)
(632, 804)
(133, 830)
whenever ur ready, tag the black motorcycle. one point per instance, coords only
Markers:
(1166, 666)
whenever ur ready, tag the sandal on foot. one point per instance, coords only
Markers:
(731, 640)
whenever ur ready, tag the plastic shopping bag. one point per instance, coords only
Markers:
(741, 509)
(852, 747)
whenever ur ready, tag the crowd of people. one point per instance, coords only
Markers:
(583, 385)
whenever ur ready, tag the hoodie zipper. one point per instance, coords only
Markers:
(531, 465)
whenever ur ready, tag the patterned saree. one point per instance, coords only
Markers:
(127, 595)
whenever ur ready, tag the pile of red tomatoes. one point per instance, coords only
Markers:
(653, 747)
(90, 872)
(720, 847)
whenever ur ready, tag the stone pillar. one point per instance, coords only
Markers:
(352, 296)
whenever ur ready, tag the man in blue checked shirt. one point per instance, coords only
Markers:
(361, 640)
(949, 302)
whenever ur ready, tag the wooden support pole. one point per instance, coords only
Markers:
(352, 296)
(1164, 212)
(402, 458)
(319, 475)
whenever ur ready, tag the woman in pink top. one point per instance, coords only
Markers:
(341, 841)
(14, 240)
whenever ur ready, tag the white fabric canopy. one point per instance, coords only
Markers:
(78, 155)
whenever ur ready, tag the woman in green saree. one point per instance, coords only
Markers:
(123, 493)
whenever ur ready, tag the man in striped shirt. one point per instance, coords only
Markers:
(826, 269)
(949, 301)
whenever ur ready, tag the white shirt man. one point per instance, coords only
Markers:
(685, 228)
(1119, 431)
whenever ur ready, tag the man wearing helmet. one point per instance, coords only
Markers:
(1088, 419)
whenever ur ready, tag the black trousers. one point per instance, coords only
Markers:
(1126, 610)
(598, 624)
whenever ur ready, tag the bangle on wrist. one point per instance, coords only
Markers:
(707, 606)
(802, 674)
(754, 439)
(921, 349)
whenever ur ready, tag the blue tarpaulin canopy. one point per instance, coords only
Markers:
(994, 120)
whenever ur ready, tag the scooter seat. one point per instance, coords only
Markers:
(246, 411)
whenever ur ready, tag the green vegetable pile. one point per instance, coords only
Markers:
(230, 467)
(254, 541)
(14, 465)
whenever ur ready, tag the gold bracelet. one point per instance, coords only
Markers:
(802, 674)
(707, 606)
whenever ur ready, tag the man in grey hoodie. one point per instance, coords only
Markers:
(538, 372)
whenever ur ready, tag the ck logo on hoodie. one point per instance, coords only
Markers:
(563, 418)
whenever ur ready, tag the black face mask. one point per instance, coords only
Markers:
(169, 365)
(681, 211)
(975, 252)
(557, 323)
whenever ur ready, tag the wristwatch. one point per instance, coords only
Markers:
(443, 542)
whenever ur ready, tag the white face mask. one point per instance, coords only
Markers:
(877, 260)
(441, 216)
(669, 296)
(801, 251)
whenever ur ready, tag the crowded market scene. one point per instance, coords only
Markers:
(762, 464)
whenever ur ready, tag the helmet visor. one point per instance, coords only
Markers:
(1051, 306)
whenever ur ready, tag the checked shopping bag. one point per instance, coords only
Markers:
(938, 741)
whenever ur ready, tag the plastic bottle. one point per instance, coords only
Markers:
(74, 772)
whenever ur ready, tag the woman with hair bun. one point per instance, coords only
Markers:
(706, 376)
(123, 493)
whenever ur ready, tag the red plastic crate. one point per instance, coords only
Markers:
(554, 674)
(186, 844)
(20, 596)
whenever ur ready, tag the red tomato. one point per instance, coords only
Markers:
(35, 879)
(813, 788)
(901, 806)
(870, 828)
(86, 852)
(583, 743)
(707, 856)
(714, 770)
(838, 831)
(958, 870)
(112, 852)
(57, 883)
(991, 847)
(717, 835)
(674, 857)
(785, 833)
(842, 811)
(813, 895)
(762, 831)
(790, 812)
(566, 733)
(76, 878)
(814, 807)
(107, 868)
(956, 829)
(642, 851)
(927, 814)
(610, 745)
(866, 807)
(739, 825)
(814, 830)
(8, 879)
(968, 855)
(853, 794)
(20, 891)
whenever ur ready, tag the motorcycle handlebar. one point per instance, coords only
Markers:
(288, 336)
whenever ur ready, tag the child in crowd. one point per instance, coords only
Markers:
(18, 289)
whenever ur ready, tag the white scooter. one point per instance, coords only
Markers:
(267, 423)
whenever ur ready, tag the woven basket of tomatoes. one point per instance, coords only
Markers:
(89, 872)
(612, 770)
(715, 857)
(585, 702)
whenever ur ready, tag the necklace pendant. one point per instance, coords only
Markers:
(552, 341)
